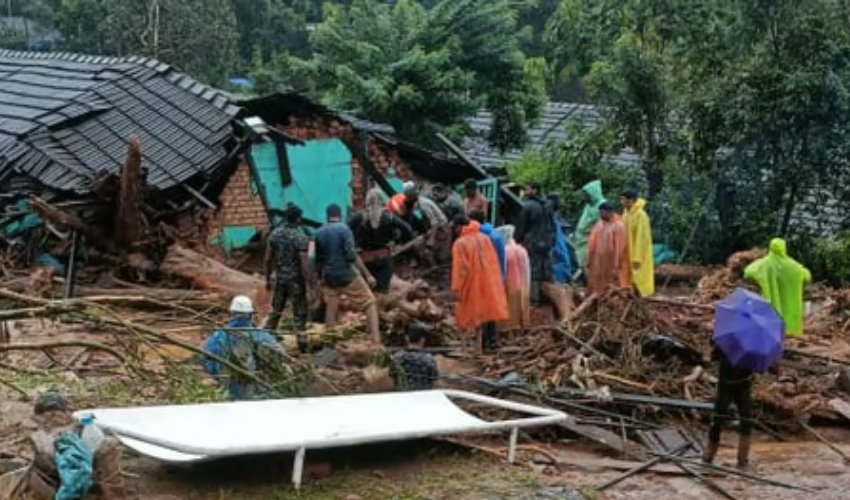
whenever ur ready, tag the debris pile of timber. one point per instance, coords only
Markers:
(724, 280)
(657, 348)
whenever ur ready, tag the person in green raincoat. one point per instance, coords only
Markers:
(592, 192)
(781, 280)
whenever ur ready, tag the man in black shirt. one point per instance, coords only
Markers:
(734, 386)
(375, 230)
(343, 273)
(536, 232)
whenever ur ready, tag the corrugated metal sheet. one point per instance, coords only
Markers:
(66, 118)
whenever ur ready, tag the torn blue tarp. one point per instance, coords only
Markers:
(663, 254)
(75, 463)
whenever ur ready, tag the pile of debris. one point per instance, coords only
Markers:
(620, 347)
(722, 281)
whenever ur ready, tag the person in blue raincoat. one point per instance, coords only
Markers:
(241, 344)
(562, 270)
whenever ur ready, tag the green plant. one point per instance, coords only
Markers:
(563, 168)
(827, 259)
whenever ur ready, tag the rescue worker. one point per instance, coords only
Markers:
(375, 230)
(734, 386)
(342, 272)
(607, 252)
(639, 229)
(536, 232)
(287, 271)
(449, 202)
(242, 345)
(517, 283)
(403, 205)
(562, 271)
(414, 369)
(476, 281)
(438, 236)
(782, 280)
(592, 194)
(490, 333)
(474, 200)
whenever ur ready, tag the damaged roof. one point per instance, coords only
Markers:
(65, 119)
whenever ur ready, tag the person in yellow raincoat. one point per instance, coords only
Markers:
(639, 230)
(781, 280)
(592, 193)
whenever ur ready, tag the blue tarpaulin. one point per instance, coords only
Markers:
(75, 463)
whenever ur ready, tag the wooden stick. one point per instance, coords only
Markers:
(41, 346)
(825, 441)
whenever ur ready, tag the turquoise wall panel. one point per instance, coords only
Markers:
(321, 175)
(266, 166)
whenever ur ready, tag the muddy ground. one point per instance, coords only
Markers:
(432, 470)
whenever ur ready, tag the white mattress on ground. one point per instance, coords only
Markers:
(190, 433)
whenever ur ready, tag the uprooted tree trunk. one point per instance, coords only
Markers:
(209, 274)
(129, 219)
(71, 222)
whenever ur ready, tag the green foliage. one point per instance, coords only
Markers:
(81, 22)
(562, 168)
(197, 36)
(827, 258)
(423, 71)
(751, 93)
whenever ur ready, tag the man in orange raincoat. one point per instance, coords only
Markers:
(476, 280)
(608, 252)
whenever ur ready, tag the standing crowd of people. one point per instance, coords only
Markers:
(495, 273)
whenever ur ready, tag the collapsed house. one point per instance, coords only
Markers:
(123, 150)
(313, 156)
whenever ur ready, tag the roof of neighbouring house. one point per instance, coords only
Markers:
(551, 127)
(282, 104)
(65, 119)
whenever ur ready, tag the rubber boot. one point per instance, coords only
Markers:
(743, 452)
(303, 343)
(710, 452)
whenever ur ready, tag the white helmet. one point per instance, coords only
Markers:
(242, 304)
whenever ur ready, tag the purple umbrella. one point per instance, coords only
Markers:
(748, 331)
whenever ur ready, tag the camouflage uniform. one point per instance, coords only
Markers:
(413, 370)
(287, 243)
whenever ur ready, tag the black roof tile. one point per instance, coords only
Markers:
(64, 118)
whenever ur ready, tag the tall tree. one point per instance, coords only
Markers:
(197, 36)
(82, 24)
(421, 70)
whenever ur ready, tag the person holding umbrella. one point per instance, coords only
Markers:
(748, 338)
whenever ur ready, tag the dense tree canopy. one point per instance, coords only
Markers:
(421, 70)
(738, 109)
(750, 97)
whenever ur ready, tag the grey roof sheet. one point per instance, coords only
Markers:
(65, 118)
(551, 127)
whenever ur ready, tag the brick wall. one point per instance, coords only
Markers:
(317, 127)
(238, 204)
